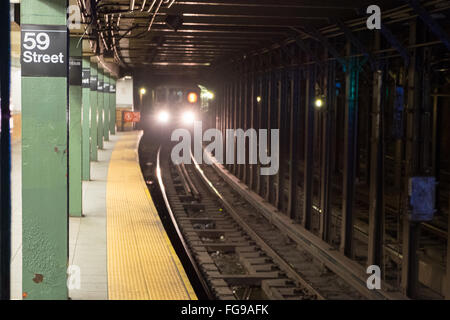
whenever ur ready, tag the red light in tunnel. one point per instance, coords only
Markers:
(192, 97)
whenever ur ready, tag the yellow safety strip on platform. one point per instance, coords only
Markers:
(142, 264)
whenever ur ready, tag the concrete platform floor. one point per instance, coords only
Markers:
(87, 235)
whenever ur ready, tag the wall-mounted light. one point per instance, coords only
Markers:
(142, 91)
(319, 102)
(258, 99)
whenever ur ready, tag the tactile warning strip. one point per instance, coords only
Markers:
(142, 263)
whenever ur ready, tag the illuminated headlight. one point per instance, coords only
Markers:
(163, 117)
(188, 117)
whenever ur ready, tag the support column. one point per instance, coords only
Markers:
(94, 111)
(75, 188)
(262, 124)
(112, 105)
(5, 151)
(328, 133)
(309, 147)
(106, 106)
(376, 212)
(411, 229)
(350, 147)
(271, 123)
(236, 109)
(251, 125)
(282, 126)
(86, 111)
(100, 107)
(447, 276)
(293, 145)
(44, 157)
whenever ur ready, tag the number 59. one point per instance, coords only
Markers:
(41, 41)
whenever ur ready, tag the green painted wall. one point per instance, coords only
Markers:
(94, 114)
(112, 102)
(44, 170)
(86, 141)
(100, 105)
(75, 187)
(106, 95)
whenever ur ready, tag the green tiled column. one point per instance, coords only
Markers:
(112, 106)
(106, 106)
(100, 105)
(44, 169)
(94, 110)
(86, 110)
(75, 188)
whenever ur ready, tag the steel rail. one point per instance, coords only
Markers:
(266, 247)
(346, 268)
(180, 236)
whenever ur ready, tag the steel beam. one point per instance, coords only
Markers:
(308, 171)
(350, 147)
(411, 230)
(75, 137)
(294, 136)
(431, 23)
(236, 109)
(447, 282)
(5, 153)
(106, 103)
(282, 116)
(394, 43)
(316, 34)
(355, 41)
(94, 110)
(271, 124)
(328, 156)
(262, 124)
(100, 107)
(85, 126)
(376, 197)
(251, 123)
(112, 102)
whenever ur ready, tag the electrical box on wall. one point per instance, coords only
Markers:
(422, 195)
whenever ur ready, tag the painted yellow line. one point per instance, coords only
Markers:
(142, 263)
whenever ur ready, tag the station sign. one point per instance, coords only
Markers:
(86, 78)
(94, 80)
(99, 86)
(75, 70)
(106, 87)
(129, 116)
(44, 50)
(112, 88)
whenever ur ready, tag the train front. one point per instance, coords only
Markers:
(176, 107)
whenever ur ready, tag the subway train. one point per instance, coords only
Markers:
(176, 106)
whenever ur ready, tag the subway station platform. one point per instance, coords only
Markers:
(119, 246)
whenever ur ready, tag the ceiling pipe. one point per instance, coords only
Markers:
(154, 15)
(143, 5)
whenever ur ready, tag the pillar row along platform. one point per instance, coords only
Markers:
(119, 247)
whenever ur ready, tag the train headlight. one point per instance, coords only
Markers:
(163, 117)
(188, 117)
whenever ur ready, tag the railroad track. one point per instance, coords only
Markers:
(241, 254)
